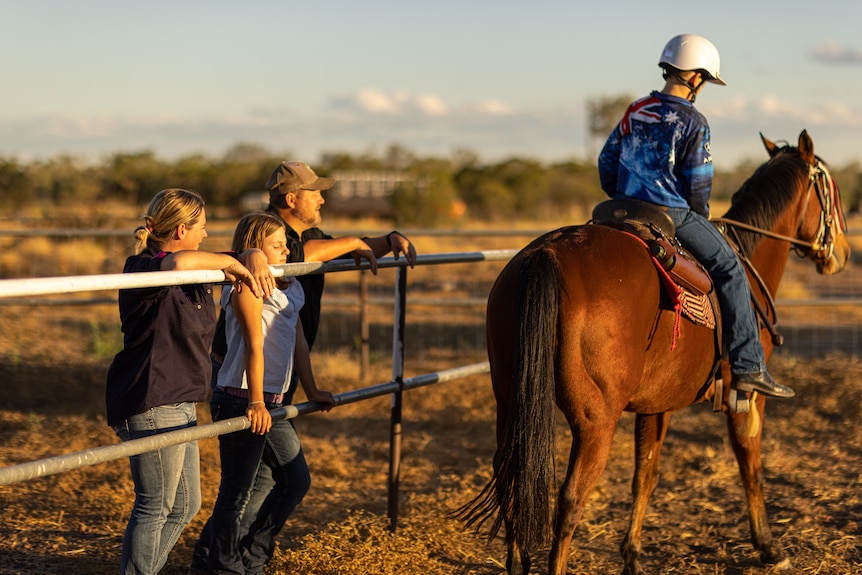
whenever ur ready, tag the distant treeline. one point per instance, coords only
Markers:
(442, 189)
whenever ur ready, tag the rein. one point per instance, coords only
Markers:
(764, 313)
(762, 232)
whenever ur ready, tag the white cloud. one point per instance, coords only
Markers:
(494, 107)
(771, 108)
(431, 105)
(834, 53)
(376, 101)
(736, 108)
(405, 104)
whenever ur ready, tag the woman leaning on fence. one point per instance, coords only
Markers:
(164, 368)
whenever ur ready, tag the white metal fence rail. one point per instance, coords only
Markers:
(13, 288)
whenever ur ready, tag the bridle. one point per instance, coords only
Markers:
(832, 223)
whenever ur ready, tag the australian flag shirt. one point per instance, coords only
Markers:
(659, 153)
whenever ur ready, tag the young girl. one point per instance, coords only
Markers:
(163, 369)
(264, 474)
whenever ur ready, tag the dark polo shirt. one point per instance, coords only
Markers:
(313, 285)
(166, 338)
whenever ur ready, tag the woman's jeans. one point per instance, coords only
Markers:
(263, 479)
(167, 488)
(700, 238)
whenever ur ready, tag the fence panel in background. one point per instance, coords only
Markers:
(817, 315)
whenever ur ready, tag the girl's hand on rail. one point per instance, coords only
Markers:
(258, 415)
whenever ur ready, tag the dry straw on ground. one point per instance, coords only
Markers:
(72, 523)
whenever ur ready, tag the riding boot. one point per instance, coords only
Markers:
(760, 382)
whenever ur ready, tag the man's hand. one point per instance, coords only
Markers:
(401, 245)
(365, 253)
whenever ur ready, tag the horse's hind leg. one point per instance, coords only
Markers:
(517, 560)
(746, 447)
(587, 460)
(650, 431)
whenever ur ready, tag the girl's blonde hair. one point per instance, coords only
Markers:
(167, 210)
(253, 229)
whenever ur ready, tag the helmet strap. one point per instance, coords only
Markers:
(692, 88)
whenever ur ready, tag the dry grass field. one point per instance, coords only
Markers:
(52, 366)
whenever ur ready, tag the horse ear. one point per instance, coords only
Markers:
(769, 145)
(806, 148)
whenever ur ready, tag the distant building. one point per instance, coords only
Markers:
(355, 193)
(364, 192)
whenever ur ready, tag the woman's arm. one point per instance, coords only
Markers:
(233, 270)
(248, 309)
(258, 265)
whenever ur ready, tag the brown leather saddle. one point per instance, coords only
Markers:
(654, 226)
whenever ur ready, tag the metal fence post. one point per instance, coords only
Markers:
(398, 323)
(363, 326)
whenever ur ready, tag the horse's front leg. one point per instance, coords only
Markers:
(650, 431)
(745, 438)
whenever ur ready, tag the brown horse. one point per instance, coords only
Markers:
(579, 317)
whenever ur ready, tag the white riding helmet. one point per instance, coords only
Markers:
(692, 53)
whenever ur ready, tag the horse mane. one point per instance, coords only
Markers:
(767, 193)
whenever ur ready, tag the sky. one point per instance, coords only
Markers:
(500, 78)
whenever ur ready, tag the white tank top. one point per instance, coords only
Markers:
(279, 317)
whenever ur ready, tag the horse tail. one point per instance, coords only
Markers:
(520, 493)
(526, 466)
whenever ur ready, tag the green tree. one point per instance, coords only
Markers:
(14, 183)
(243, 169)
(63, 180)
(428, 200)
(134, 178)
(603, 115)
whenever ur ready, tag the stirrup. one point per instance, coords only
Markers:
(738, 401)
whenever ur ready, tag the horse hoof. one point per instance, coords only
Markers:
(783, 565)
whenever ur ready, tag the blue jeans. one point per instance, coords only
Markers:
(263, 479)
(167, 488)
(700, 238)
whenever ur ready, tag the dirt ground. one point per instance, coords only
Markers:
(72, 523)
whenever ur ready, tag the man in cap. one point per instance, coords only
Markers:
(295, 195)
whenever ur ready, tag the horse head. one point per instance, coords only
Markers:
(821, 224)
